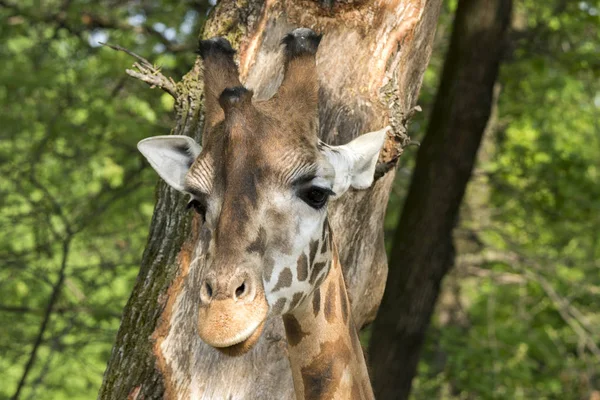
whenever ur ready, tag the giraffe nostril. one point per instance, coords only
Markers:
(209, 291)
(240, 290)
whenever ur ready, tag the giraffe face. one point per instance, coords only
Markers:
(261, 184)
(265, 207)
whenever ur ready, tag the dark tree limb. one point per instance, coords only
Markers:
(422, 251)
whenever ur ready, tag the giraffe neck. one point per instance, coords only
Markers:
(324, 350)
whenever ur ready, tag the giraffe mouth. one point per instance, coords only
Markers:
(232, 327)
(244, 345)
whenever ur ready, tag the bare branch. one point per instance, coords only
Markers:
(502, 278)
(147, 72)
(396, 143)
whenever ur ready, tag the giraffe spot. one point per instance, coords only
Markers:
(293, 330)
(269, 263)
(316, 301)
(325, 229)
(330, 302)
(279, 241)
(259, 245)
(302, 267)
(314, 245)
(295, 300)
(285, 279)
(344, 300)
(278, 307)
(324, 246)
(275, 218)
(322, 376)
(321, 278)
(317, 268)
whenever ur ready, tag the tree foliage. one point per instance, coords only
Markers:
(518, 317)
(76, 198)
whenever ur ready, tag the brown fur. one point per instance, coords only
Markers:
(220, 72)
(322, 376)
(330, 301)
(253, 145)
(317, 301)
(293, 330)
(344, 301)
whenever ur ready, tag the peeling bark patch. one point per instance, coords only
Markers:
(162, 330)
(293, 330)
(278, 307)
(317, 301)
(344, 300)
(302, 267)
(321, 378)
(295, 300)
(330, 303)
(316, 269)
(285, 279)
(133, 395)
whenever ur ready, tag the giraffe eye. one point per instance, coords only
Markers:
(198, 206)
(315, 197)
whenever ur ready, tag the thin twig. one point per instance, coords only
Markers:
(147, 72)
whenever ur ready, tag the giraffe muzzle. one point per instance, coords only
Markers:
(232, 314)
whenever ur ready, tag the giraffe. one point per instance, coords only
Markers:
(260, 183)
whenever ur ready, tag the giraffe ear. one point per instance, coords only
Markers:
(171, 157)
(354, 163)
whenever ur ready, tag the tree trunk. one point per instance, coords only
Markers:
(422, 251)
(371, 62)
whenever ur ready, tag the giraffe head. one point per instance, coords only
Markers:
(261, 182)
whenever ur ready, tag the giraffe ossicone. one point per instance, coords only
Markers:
(262, 181)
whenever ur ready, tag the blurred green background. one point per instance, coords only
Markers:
(519, 316)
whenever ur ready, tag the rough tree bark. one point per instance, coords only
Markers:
(422, 250)
(371, 61)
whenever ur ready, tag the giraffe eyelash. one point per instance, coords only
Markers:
(315, 196)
